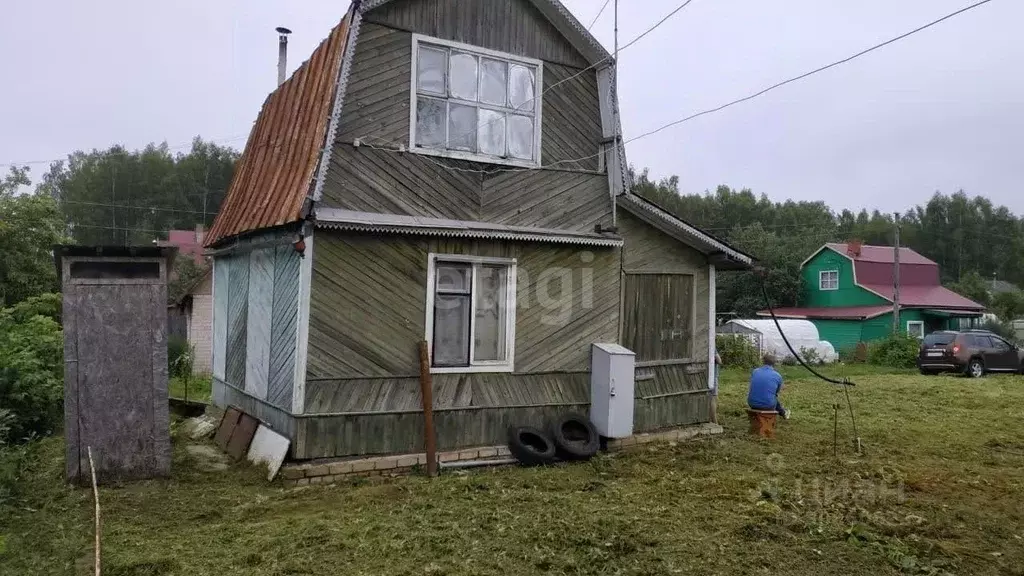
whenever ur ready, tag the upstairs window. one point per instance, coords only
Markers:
(475, 104)
(828, 280)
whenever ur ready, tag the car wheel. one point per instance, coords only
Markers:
(975, 368)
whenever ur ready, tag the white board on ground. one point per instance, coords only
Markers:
(268, 447)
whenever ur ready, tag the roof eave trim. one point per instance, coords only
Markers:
(630, 200)
(477, 234)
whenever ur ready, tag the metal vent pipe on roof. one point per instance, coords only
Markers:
(282, 53)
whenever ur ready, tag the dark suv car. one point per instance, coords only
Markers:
(972, 352)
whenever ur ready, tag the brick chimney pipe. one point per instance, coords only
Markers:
(853, 248)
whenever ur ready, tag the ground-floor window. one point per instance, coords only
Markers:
(915, 328)
(471, 313)
(658, 316)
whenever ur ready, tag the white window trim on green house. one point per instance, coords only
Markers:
(823, 280)
(529, 108)
(915, 328)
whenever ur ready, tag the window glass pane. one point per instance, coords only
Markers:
(430, 121)
(491, 313)
(462, 128)
(453, 278)
(431, 70)
(520, 137)
(492, 132)
(451, 330)
(493, 81)
(463, 80)
(521, 85)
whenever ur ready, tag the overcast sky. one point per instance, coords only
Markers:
(941, 110)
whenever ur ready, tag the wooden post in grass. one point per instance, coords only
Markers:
(427, 388)
(96, 499)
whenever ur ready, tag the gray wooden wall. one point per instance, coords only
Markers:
(368, 302)
(376, 111)
(256, 296)
(367, 313)
(650, 250)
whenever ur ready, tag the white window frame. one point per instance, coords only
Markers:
(473, 156)
(506, 365)
(821, 280)
(917, 324)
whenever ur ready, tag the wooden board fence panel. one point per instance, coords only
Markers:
(238, 302)
(284, 323)
(258, 323)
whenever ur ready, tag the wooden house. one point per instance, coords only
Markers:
(849, 290)
(450, 171)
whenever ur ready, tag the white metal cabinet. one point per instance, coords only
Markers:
(611, 390)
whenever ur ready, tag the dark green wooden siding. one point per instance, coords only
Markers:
(848, 294)
(571, 196)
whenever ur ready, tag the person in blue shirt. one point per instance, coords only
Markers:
(765, 387)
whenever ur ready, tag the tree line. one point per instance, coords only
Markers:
(972, 240)
(120, 196)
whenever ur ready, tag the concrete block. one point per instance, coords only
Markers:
(488, 452)
(503, 451)
(319, 470)
(293, 473)
(472, 454)
(386, 463)
(340, 468)
(363, 465)
(447, 456)
(409, 461)
(316, 480)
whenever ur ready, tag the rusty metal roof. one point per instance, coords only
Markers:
(273, 176)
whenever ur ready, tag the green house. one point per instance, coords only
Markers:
(848, 295)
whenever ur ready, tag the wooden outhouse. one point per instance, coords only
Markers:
(115, 360)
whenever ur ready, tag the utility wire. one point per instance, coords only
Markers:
(599, 12)
(812, 72)
(401, 147)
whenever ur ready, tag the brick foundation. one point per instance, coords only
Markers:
(329, 472)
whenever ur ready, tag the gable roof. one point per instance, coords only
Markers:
(277, 167)
(1000, 286)
(556, 12)
(882, 254)
(683, 231)
(871, 253)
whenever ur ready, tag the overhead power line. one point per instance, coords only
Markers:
(812, 72)
(599, 12)
(127, 152)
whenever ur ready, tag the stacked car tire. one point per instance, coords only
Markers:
(569, 437)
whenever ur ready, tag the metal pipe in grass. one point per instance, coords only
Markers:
(459, 465)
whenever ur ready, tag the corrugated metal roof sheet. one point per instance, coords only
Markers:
(926, 296)
(339, 219)
(881, 254)
(837, 313)
(273, 175)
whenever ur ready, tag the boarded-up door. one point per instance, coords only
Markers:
(658, 316)
(115, 397)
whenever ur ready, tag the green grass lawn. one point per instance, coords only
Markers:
(196, 388)
(939, 490)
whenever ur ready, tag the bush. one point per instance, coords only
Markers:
(895, 351)
(179, 357)
(1004, 329)
(737, 351)
(811, 356)
(31, 369)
